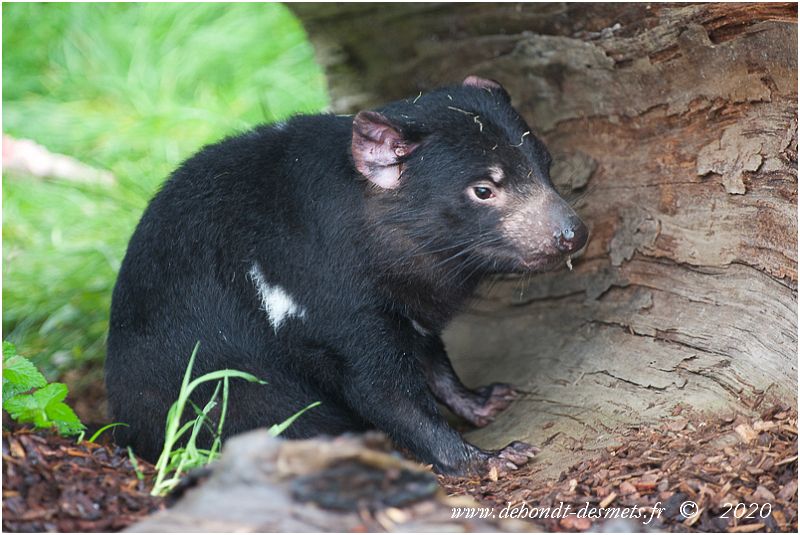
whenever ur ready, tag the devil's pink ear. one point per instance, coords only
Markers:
(482, 83)
(378, 148)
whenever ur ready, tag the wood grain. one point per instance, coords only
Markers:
(674, 129)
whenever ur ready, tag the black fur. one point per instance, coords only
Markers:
(362, 261)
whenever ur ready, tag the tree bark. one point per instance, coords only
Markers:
(674, 131)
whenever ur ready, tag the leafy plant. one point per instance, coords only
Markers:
(29, 399)
(174, 462)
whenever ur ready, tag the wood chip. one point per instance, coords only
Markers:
(493, 475)
(762, 495)
(692, 520)
(747, 528)
(789, 491)
(608, 500)
(761, 426)
(746, 432)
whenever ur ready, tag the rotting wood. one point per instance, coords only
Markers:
(674, 131)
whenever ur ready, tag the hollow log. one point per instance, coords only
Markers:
(674, 133)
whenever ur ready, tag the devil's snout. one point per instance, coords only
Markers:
(544, 230)
(572, 235)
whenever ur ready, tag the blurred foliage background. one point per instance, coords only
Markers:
(134, 89)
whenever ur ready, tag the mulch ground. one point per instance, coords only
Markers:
(711, 461)
(53, 484)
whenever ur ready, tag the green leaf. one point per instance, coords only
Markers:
(51, 397)
(9, 350)
(51, 393)
(45, 408)
(64, 418)
(19, 375)
(25, 408)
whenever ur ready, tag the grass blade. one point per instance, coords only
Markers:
(277, 429)
(104, 429)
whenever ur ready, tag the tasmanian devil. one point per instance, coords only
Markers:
(325, 255)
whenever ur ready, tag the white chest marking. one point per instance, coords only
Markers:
(278, 304)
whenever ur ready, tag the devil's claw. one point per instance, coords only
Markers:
(495, 398)
(511, 457)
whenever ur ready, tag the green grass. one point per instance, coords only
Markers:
(175, 460)
(135, 89)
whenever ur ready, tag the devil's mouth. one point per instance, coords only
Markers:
(541, 263)
(518, 264)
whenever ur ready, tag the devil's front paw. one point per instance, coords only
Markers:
(511, 457)
(490, 401)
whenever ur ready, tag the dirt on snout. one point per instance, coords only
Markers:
(694, 469)
(51, 484)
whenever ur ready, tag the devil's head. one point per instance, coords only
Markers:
(457, 176)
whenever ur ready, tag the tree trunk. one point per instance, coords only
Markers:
(674, 132)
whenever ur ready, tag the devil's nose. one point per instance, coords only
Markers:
(572, 236)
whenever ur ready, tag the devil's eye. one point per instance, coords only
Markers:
(483, 193)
